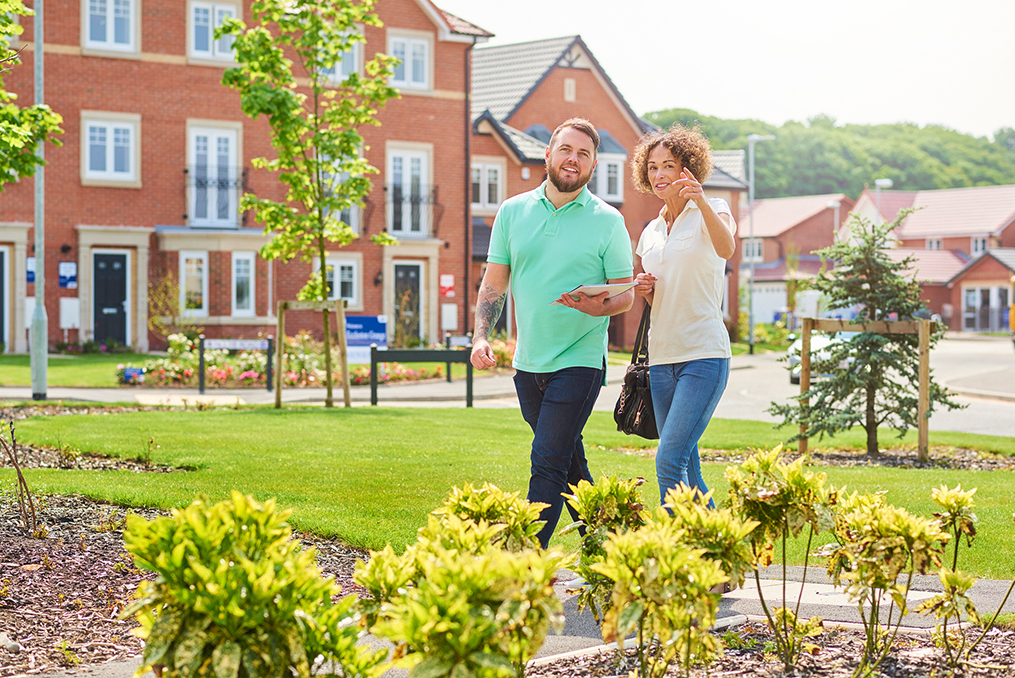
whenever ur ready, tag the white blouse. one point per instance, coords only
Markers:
(687, 319)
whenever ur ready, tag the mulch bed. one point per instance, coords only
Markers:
(834, 655)
(60, 595)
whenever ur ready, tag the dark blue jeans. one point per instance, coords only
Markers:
(556, 406)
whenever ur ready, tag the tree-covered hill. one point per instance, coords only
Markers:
(823, 157)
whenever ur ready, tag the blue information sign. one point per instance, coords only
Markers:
(363, 330)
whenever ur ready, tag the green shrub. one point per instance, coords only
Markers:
(469, 597)
(958, 520)
(661, 592)
(236, 597)
(878, 543)
(720, 534)
(784, 500)
(476, 615)
(609, 507)
(490, 504)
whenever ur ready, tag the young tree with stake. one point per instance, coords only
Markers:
(288, 61)
(874, 377)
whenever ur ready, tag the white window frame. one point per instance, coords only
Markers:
(409, 152)
(217, 53)
(570, 90)
(759, 250)
(607, 164)
(353, 215)
(933, 243)
(109, 46)
(354, 262)
(216, 130)
(193, 312)
(406, 43)
(342, 68)
(484, 169)
(251, 259)
(112, 126)
(978, 245)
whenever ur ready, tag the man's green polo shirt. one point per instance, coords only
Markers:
(550, 252)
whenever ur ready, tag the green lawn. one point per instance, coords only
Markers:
(370, 475)
(77, 371)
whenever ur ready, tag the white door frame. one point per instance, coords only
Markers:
(420, 264)
(5, 299)
(130, 283)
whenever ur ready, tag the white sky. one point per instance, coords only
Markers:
(859, 61)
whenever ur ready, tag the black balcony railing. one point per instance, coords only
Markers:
(412, 209)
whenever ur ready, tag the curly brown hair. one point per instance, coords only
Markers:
(687, 144)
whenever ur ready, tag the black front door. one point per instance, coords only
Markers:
(3, 302)
(407, 305)
(110, 298)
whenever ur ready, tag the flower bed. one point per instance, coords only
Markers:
(303, 362)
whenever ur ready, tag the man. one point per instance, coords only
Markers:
(545, 243)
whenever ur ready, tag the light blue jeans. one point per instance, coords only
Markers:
(684, 396)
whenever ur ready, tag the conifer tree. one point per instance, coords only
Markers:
(874, 378)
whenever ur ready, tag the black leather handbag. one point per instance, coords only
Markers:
(634, 414)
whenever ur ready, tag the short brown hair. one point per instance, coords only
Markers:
(580, 124)
(687, 144)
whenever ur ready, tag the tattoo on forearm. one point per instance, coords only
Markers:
(488, 309)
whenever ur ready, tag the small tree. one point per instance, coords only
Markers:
(164, 314)
(21, 129)
(314, 127)
(874, 377)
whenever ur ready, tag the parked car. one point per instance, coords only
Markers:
(820, 342)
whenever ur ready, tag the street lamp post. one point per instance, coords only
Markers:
(751, 140)
(40, 322)
(878, 185)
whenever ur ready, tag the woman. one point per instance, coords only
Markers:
(679, 264)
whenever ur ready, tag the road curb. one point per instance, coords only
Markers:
(719, 625)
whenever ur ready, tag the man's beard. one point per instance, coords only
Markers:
(567, 183)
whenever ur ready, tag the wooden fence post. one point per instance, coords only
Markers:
(923, 445)
(805, 378)
(280, 354)
(343, 351)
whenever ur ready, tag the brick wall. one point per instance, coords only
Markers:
(166, 91)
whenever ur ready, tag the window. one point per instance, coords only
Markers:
(243, 284)
(979, 246)
(608, 178)
(350, 215)
(343, 279)
(486, 186)
(111, 25)
(570, 89)
(933, 243)
(413, 69)
(109, 148)
(204, 18)
(194, 283)
(349, 63)
(408, 193)
(755, 253)
(213, 177)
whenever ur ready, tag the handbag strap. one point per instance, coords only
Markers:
(641, 340)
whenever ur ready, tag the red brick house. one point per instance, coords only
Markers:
(948, 232)
(971, 220)
(934, 270)
(980, 292)
(157, 152)
(787, 233)
(520, 93)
